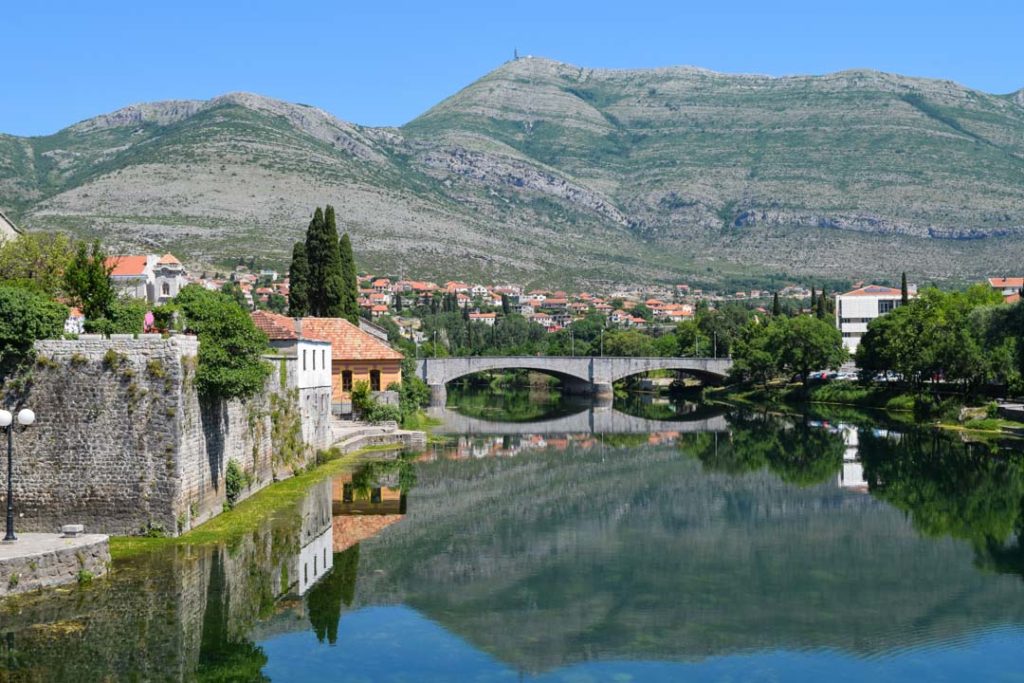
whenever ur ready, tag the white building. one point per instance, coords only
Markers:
(854, 310)
(157, 279)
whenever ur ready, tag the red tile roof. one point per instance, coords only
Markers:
(277, 327)
(348, 342)
(127, 266)
(168, 259)
(874, 290)
(1006, 282)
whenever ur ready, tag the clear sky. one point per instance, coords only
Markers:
(376, 62)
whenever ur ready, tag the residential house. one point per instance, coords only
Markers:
(485, 318)
(857, 308)
(357, 357)
(157, 279)
(1009, 287)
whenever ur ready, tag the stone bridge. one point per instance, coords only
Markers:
(580, 374)
(595, 420)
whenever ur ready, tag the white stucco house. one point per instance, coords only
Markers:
(857, 308)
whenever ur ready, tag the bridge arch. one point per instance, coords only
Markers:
(590, 375)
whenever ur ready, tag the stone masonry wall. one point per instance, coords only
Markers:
(123, 443)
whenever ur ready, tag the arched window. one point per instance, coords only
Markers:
(165, 289)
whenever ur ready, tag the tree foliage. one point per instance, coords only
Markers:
(25, 316)
(230, 345)
(325, 269)
(349, 284)
(298, 282)
(964, 338)
(87, 281)
(37, 261)
(798, 345)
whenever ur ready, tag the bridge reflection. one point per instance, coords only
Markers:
(596, 419)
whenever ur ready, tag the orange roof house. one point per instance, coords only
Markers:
(356, 356)
(128, 266)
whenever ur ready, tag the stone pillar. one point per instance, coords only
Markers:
(438, 395)
(603, 391)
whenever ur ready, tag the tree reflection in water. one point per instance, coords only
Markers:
(796, 451)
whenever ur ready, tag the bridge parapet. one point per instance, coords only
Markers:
(580, 374)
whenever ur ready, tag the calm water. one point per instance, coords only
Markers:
(689, 544)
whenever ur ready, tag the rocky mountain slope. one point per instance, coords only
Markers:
(544, 171)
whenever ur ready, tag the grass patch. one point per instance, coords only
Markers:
(248, 514)
(420, 421)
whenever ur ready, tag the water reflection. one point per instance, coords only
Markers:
(723, 545)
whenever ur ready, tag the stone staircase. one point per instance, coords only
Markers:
(350, 436)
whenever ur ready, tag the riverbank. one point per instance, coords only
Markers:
(247, 515)
(898, 404)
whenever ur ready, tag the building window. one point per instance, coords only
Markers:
(303, 359)
(314, 360)
(323, 358)
(374, 380)
(165, 289)
(886, 305)
(346, 380)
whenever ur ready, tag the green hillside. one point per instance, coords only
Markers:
(548, 172)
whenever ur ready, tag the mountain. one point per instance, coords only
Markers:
(548, 172)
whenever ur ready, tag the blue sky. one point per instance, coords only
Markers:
(382, 63)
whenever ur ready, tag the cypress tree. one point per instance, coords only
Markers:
(822, 311)
(506, 306)
(814, 298)
(776, 306)
(349, 284)
(298, 282)
(324, 265)
(398, 303)
(904, 291)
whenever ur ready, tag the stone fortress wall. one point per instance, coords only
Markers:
(124, 444)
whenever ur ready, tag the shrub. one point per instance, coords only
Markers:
(84, 577)
(361, 399)
(235, 479)
(25, 316)
(381, 412)
(124, 316)
(155, 368)
(230, 345)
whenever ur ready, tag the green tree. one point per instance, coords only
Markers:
(506, 306)
(756, 353)
(350, 284)
(36, 260)
(298, 282)
(628, 343)
(325, 274)
(904, 291)
(230, 345)
(776, 306)
(25, 316)
(808, 344)
(233, 290)
(125, 316)
(87, 281)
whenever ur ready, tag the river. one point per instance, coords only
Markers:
(551, 540)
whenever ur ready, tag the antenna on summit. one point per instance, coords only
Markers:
(515, 54)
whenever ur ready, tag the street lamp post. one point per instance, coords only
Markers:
(25, 418)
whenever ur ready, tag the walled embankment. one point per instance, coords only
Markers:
(124, 444)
